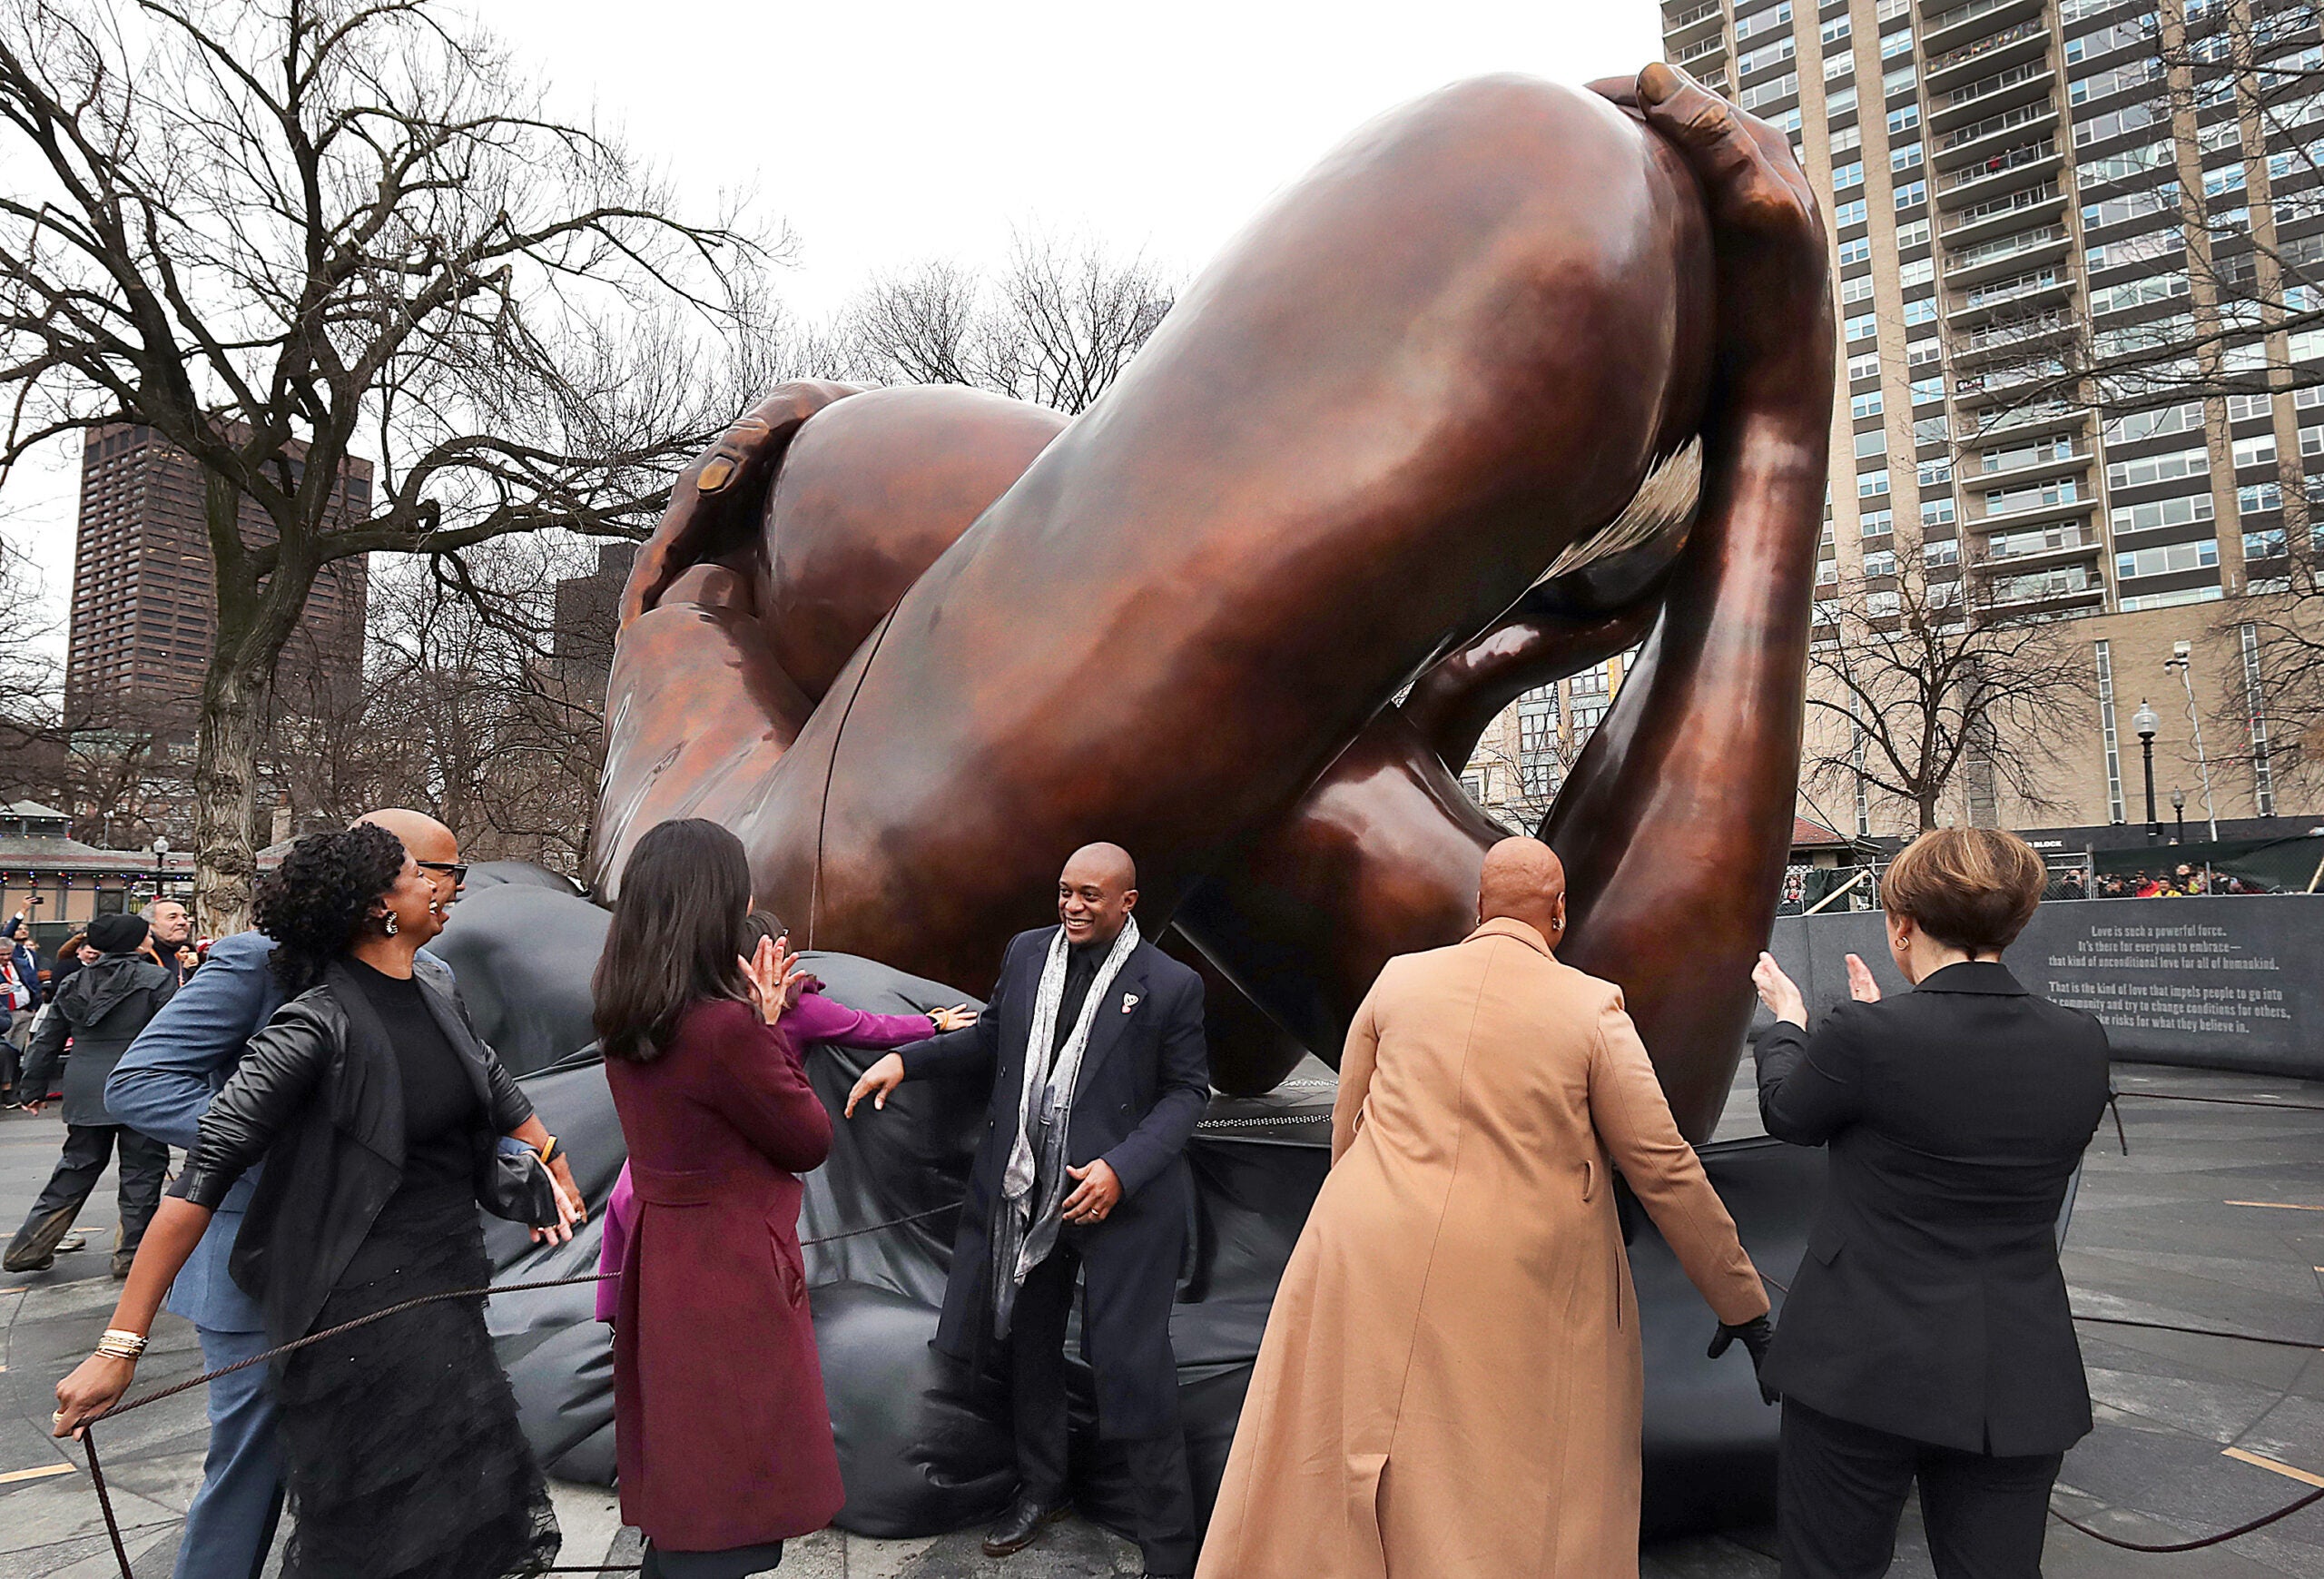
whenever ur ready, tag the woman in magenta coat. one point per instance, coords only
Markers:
(722, 1436)
(808, 1017)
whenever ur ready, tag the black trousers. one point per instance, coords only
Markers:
(145, 1166)
(1165, 1507)
(1841, 1488)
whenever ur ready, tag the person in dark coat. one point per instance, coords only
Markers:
(720, 1424)
(1092, 1048)
(101, 1008)
(1927, 1333)
(383, 1124)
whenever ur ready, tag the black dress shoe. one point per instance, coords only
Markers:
(1020, 1526)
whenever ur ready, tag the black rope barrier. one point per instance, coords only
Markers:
(89, 1441)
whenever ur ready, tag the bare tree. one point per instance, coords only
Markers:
(275, 230)
(1918, 685)
(1054, 325)
(484, 704)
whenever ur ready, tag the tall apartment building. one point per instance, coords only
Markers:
(144, 608)
(2019, 190)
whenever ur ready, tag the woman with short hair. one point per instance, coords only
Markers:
(721, 1428)
(381, 1118)
(1928, 1334)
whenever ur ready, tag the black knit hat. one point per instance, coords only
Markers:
(117, 934)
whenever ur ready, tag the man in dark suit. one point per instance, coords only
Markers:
(1092, 1043)
(1927, 1333)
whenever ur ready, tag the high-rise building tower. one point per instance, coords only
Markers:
(2061, 229)
(144, 608)
(2012, 190)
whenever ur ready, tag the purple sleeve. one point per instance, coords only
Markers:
(818, 1017)
(620, 1208)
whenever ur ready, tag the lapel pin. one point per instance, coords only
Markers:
(1129, 1001)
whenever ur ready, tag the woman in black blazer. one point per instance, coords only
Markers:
(1928, 1334)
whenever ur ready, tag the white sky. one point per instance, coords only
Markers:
(886, 133)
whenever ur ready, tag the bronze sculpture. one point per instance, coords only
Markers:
(912, 643)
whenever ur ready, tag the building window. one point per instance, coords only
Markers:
(1911, 235)
(1846, 175)
(1872, 484)
(1876, 523)
(2256, 452)
(2258, 499)
(1911, 193)
(2263, 777)
(1864, 405)
(2105, 658)
(1933, 472)
(2200, 555)
(1855, 249)
(1906, 157)
(1868, 445)
(1866, 366)
(1938, 552)
(1863, 326)
(1850, 213)
(1938, 512)
(1926, 391)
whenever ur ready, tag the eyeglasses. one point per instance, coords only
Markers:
(458, 870)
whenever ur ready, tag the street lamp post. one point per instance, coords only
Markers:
(2179, 811)
(161, 855)
(2146, 721)
(2181, 661)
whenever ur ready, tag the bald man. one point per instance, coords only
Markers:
(1450, 1386)
(162, 1086)
(1092, 1049)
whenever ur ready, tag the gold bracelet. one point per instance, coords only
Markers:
(118, 1344)
(549, 1151)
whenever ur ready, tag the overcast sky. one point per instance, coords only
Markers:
(888, 131)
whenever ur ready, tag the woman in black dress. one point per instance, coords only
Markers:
(378, 1115)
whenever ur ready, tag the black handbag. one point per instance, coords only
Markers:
(517, 1186)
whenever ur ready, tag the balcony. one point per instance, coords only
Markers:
(1714, 44)
(2021, 335)
(1995, 173)
(2060, 546)
(2030, 458)
(2066, 583)
(2015, 87)
(1690, 22)
(2004, 255)
(2019, 41)
(2011, 292)
(1963, 146)
(1951, 27)
(2043, 414)
(2035, 507)
(1981, 222)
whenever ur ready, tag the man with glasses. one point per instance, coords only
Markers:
(162, 1087)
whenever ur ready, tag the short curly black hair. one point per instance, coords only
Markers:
(314, 903)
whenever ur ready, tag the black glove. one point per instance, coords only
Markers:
(1756, 1334)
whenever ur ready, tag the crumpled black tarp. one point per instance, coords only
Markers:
(923, 1447)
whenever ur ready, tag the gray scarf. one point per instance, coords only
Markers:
(1029, 1223)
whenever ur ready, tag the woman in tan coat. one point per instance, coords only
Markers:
(1449, 1387)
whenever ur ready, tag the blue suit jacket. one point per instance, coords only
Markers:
(162, 1087)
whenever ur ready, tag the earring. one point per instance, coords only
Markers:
(390, 927)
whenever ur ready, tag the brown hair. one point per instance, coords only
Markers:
(1969, 888)
(677, 938)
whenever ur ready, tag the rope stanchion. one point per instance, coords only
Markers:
(89, 1441)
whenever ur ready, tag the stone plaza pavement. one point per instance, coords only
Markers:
(2215, 1219)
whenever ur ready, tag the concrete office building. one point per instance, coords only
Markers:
(144, 608)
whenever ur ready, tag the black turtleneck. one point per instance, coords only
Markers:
(1081, 962)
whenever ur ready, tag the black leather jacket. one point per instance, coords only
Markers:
(318, 1097)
